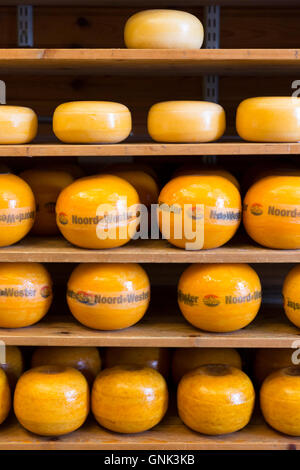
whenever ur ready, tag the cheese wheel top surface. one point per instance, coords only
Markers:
(93, 107)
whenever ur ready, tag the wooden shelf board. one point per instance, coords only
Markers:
(171, 434)
(270, 329)
(58, 250)
(147, 61)
(153, 3)
(148, 149)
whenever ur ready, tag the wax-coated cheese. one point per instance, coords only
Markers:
(17, 209)
(157, 358)
(219, 297)
(26, 294)
(215, 399)
(85, 359)
(186, 359)
(18, 125)
(291, 295)
(108, 296)
(98, 212)
(46, 186)
(129, 399)
(271, 212)
(88, 122)
(13, 365)
(219, 219)
(163, 29)
(51, 400)
(280, 400)
(269, 119)
(5, 394)
(268, 360)
(186, 121)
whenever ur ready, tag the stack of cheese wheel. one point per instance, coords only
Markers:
(18, 125)
(92, 122)
(163, 29)
(108, 296)
(271, 212)
(219, 297)
(186, 121)
(98, 212)
(269, 119)
(199, 211)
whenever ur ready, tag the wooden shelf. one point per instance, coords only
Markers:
(171, 434)
(152, 3)
(270, 329)
(151, 61)
(58, 250)
(149, 149)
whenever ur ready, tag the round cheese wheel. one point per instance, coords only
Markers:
(206, 202)
(280, 400)
(26, 294)
(85, 359)
(163, 29)
(18, 125)
(269, 119)
(88, 122)
(17, 209)
(186, 359)
(14, 364)
(271, 212)
(219, 297)
(98, 212)
(268, 360)
(46, 186)
(291, 296)
(186, 121)
(51, 400)
(129, 399)
(215, 399)
(157, 358)
(5, 395)
(108, 296)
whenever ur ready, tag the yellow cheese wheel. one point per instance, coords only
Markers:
(129, 399)
(85, 359)
(186, 170)
(186, 121)
(271, 212)
(97, 212)
(186, 359)
(215, 399)
(14, 364)
(157, 358)
(46, 186)
(163, 29)
(25, 294)
(5, 396)
(268, 360)
(269, 119)
(291, 295)
(280, 400)
(51, 400)
(108, 296)
(18, 125)
(88, 122)
(17, 209)
(219, 297)
(179, 199)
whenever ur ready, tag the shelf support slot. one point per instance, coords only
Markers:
(25, 25)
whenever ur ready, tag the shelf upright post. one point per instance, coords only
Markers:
(211, 41)
(2, 92)
(25, 25)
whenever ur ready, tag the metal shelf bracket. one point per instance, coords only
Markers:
(25, 26)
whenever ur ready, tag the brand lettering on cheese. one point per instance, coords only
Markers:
(292, 304)
(225, 216)
(212, 300)
(17, 291)
(117, 299)
(230, 299)
(15, 216)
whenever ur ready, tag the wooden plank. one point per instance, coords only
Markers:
(162, 326)
(170, 434)
(85, 61)
(58, 250)
(149, 149)
(153, 3)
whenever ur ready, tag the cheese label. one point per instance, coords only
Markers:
(212, 300)
(24, 292)
(16, 215)
(288, 212)
(113, 300)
